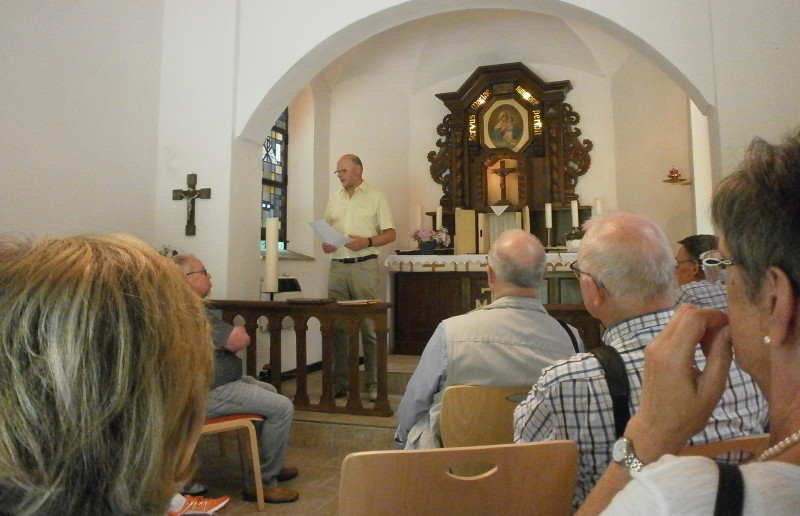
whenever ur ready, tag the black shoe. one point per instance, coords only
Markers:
(194, 489)
(339, 392)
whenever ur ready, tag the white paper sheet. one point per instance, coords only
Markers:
(327, 233)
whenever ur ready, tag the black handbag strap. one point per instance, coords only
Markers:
(730, 491)
(571, 336)
(618, 386)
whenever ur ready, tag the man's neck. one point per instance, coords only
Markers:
(625, 311)
(350, 191)
(500, 292)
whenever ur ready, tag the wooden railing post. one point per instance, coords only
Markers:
(300, 330)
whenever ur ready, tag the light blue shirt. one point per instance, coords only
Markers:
(506, 343)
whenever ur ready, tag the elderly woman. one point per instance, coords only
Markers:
(105, 363)
(757, 215)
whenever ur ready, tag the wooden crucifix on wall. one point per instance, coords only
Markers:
(190, 195)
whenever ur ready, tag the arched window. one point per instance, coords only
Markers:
(274, 180)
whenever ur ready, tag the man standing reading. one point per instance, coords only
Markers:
(362, 213)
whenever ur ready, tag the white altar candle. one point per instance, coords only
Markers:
(526, 219)
(271, 255)
(418, 219)
(598, 206)
(575, 220)
(548, 215)
(439, 217)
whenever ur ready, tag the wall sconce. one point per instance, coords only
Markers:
(674, 178)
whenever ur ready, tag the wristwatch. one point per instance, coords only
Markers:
(624, 455)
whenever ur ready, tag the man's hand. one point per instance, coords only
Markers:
(677, 398)
(237, 340)
(357, 243)
(328, 248)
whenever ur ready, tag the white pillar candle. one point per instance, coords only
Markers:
(598, 206)
(526, 219)
(548, 215)
(271, 255)
(418, 219)
(575, 220)
(439, 217)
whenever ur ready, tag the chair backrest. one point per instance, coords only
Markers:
(753, 445)
(474, 415)
(527, 478)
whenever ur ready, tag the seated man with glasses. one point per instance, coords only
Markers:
(695, 287)
(234, 393)
(625, 269)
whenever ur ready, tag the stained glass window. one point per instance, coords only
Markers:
(274, 154)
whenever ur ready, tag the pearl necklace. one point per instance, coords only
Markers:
(780, 447)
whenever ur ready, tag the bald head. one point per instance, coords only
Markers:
(630, 256)
(349, 170)
(517, 260)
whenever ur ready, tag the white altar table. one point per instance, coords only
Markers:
(558, 261)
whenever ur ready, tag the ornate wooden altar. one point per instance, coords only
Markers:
(510, 139)
(326, 313)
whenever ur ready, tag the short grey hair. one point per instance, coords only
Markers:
(630, 255)
(757, 212)
(183, 261)
(518, 258)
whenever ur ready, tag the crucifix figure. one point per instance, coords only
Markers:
(190, 195)
(503, 171)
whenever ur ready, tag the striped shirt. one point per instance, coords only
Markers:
(704, 294)
(571, 401)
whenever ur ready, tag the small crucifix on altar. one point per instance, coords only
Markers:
(502, 171)
(190, 195)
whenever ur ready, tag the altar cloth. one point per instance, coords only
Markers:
(558, 261)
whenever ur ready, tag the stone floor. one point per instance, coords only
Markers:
(318, 444)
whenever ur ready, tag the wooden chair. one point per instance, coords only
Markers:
(475, 415)
(243, 424)
(754, 445)
(527, 478)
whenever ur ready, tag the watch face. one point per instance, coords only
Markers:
(620, 449)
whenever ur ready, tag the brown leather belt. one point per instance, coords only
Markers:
(356, 260)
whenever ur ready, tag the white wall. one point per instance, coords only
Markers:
(78, 116)
(651, 117)
(757, 73)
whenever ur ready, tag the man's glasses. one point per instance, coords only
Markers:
(717, 262)
(341, 170)
(577, 272)
(201, 271)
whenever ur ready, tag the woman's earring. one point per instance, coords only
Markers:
(767, 340)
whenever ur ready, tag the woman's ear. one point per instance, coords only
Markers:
(780, 305)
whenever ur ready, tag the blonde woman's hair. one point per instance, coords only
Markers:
(105, 365)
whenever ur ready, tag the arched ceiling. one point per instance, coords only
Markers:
(433, 49)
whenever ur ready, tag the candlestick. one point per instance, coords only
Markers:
(271, 255)
(549, 233)
(575, 220)
(548, 215)
(598, 206)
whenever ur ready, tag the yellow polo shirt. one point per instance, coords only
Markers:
(365, 214)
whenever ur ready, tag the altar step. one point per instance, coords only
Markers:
(347, 433)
